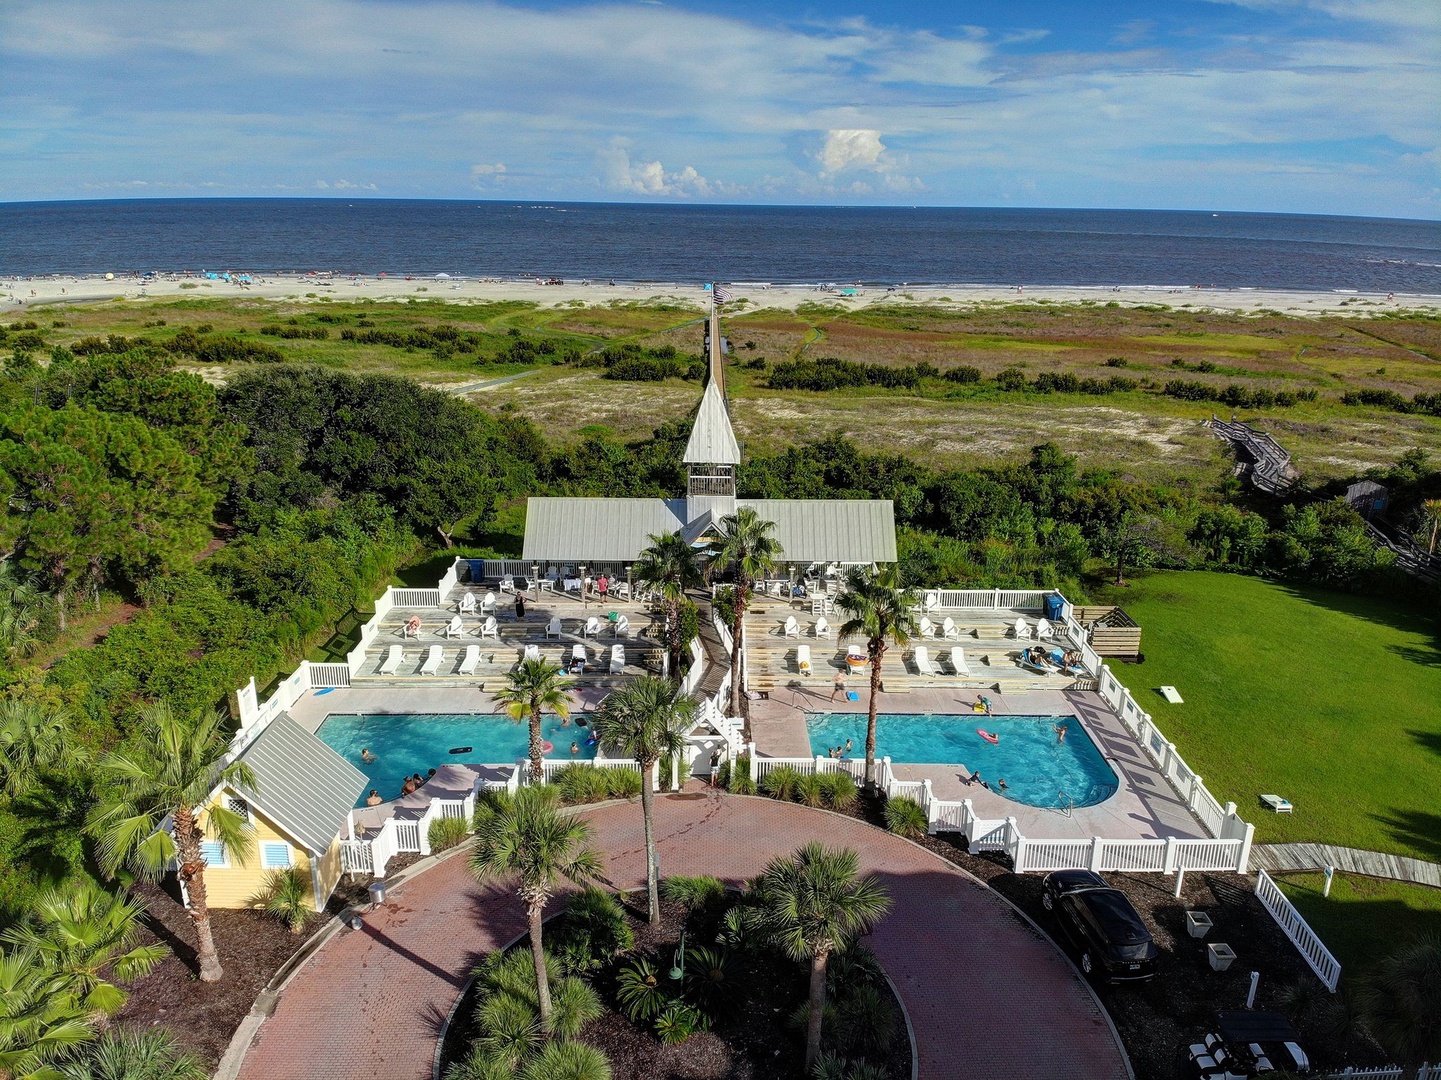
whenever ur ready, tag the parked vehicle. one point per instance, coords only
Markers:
(1113, 941)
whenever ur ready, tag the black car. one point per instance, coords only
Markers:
(1101, 922)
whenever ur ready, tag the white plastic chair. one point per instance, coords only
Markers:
(931, 601)
(487, 606)
(470, 661)
(490, 628)
(949, 630)
(621, 627)
(532, 652)
(822, 629)
(803, 659)
(507, 584)
(924, 666)
(592, 627)
(433, 661)
(1044, 630)
(958, 661)
(928, 628)
(1022, 630)
(553, 628)
(467, 603)
(617, 659)
(792, 628)
(391, 664)
(454, 628)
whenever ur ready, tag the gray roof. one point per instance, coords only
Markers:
(618, 530)
(712, 439)
(831, 530)
(301, 784)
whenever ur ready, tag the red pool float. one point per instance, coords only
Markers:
(983, 733)
(547, 746)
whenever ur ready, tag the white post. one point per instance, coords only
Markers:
(1166, 757)
(1018, 854)
(1244, 861)
(1169, 862)
(1094, 863)
(655, 776)
(926, 798)
(350, 825)
(820, 764)
(675, 772)
(1195, 796)
(1180, 881)
(968, 818)
(886, 775)
(1251, 994)
(755, 765)
(1330, 872)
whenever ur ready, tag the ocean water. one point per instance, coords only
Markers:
(782, 245)
(1039, 769)
(414, 742)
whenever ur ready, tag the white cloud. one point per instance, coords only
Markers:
(650, 177)
(344, 185)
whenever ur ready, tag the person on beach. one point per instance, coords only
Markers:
(838, 684)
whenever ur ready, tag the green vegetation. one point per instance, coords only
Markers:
(1364, 919)
(1330, 700)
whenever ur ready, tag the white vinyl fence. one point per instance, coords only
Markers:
(1326, 966)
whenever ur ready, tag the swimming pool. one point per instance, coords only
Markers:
(1039, 768)
(407, 743)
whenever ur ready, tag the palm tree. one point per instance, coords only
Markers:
(670, 567)
(525, 835)
(32, 736)
(182, 763)
(88, 936)
(1431, 519)
(646, 719)
(747, 549)
(126, 1054)
(530, 689)
(40, 1020)
(816, 903)
(885, 614)
(1401, 1002)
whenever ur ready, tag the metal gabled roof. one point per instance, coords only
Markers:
(300, 783)
(596, 530)
(831, 530)
(712, 439)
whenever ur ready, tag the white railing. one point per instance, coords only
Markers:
(697, 667)
(1009, 599)
(452, 576)
(1326, 966)
(407, 834)
(1047, 855)
(1385, 1072)
(414, 597)
(761, 767)
(722, 631)
(355, 856)
(500, 568)
(329, 676)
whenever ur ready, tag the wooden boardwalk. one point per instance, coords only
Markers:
(1290, 858)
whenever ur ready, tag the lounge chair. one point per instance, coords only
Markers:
(455, 628)
(467, 603)
(470, 661)
(592, 627)
(1022, 630)
(621, 628)
(617, 659)
(822, 629)
(554, 627)
(1044, 630)
(958, 661)
(487, 606)
(924, 666)
(507, 584)
(532, 652)
(1043, 666)
(792, 628)
(392, 661)
(803, 659)
(949, 630)
(432, 661)
(490, 628)
(578, 657)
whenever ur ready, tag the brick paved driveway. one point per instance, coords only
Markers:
(987, 995)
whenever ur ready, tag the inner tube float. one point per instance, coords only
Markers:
(547, 746)
(983, 733)
(459, 750)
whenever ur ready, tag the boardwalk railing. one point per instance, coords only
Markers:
(1388, 1072)
(1326, 966)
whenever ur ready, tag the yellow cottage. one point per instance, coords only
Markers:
(299, 810)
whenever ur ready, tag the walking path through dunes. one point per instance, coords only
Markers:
(987, 994)
(1289, 858)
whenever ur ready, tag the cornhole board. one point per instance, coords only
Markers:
(1276, 803)
(1171, 694)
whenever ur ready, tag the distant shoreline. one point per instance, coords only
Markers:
(16, 294)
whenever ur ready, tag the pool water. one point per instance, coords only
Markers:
(1039, 768)
(409, 743)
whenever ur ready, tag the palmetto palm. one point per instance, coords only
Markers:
(525, 836)
(32, 736)
(670, 567)
(182, 765)
(1401, 1002)
(88, 936)
(40, 1020)
(126, 1054)
(1431, 520)
(646, 719)
(884, 614)
(816, 903)
(746, 547)
(529, 690)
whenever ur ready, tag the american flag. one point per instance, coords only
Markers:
(721, 295)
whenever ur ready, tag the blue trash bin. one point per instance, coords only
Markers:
(477, 569)
(1053, 607)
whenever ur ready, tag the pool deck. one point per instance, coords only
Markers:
(1144, 807)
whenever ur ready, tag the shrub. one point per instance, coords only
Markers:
(445, 833)
(578, 783)
(620, 783)
(838, 790)
(905, 817)
(713, 981)
(592, 931)
(740, 777)
(1011, 379)
(640, 991)
(1116, 361)
(811, 790)
(512, 974)
(693, 893)
(965, 374)
(1062, 382)
(851, 968)
(829, 373)
(1190, 391)
(781, 782)
(567, 1061)
(723, 775)
(287, 897)
(678, 1023)
(868, 1021)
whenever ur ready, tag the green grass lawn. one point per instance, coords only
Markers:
(1364, 920)
(1330, 700)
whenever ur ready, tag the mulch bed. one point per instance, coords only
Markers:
(757, 1043)
(252, 946)
(1158, 1017)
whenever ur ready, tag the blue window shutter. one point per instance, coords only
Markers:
(276, 856)
(212, 852)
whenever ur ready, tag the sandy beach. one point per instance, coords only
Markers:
(18, 293)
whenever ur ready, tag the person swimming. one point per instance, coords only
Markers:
(366, 755)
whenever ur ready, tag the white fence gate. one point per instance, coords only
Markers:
(1326, 966)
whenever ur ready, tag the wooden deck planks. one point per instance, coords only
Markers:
(1291, 858)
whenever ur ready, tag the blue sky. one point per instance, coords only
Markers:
(1306, 106)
